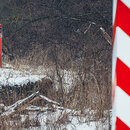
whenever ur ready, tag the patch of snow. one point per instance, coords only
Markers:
(68, 79)
(2, 105)
(48, 119)
(36, 108)
(12, 77)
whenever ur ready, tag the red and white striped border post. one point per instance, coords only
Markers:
(121, 65)
(0, 45)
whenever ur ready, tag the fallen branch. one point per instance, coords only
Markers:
(49, 100)
(19, 105)
(26, 102)
(106, 35)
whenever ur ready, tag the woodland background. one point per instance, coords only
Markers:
(65, 35)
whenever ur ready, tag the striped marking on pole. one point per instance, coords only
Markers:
(126, 2)
(121, 65)
(121, 125)
(123, 76)
(121, 106)
(122, 18)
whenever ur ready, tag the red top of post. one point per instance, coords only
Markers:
(0, 25)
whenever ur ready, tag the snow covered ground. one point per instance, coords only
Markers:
(47, 119)
(13, 77)
(60, 119)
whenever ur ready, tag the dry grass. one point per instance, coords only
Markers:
(90, 89)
